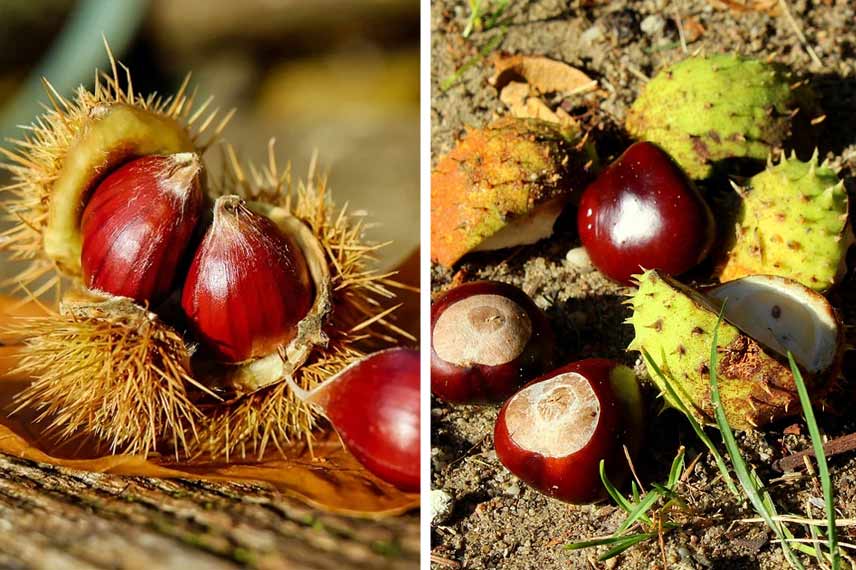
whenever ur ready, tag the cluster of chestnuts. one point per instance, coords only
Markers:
(491, 343)
(110, 193)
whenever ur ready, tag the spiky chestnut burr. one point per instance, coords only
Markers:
(138, 224)
(554, 432)
(708, 109)
(793, 221)
(248, 285)
(345, 322)
(505, 185)
(105, 367)
(487, 339)
(765, 316)
(76, 143)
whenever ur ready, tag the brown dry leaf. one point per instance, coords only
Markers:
(544, 74)
(770, 7)
(326, 477)
(516, 96)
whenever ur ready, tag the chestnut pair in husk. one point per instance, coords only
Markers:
(489, 339)
(209, 319)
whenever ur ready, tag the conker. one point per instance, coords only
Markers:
(554, 432)
(374, 406)
(643, 212)
(487, 339)
(248, 285)
(137, 225)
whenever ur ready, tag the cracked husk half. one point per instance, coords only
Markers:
(764, 317)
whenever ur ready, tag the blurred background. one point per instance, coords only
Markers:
(336, 76)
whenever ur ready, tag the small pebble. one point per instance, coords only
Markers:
(513, 489)
(442, 506)
(591, 35)
(578, 258)
(653, 24)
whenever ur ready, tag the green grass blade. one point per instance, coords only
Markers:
(720, 461)
(454, 78)
(627, 543)
(747, 477)
(676, 470)
(600, 541)
(822, 467)
(614, 493)
(638, 512)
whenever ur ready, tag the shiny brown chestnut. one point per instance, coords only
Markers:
(554, 432)
(374, 406)
(643, 212)
(248, 285)
(487, 339)
(137, 225)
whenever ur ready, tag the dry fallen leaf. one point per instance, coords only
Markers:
(544, 74)
(522, 106)
(327, 476)
(693, 29)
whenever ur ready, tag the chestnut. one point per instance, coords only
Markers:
(137, 226)
(248, 285)
(374, 406)
(487, 339)
(554, 432)
(643, 212)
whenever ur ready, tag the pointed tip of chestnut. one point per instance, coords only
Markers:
(248, 285)
(137, 225)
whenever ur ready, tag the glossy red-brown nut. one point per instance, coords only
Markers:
(374, 406)
(137, 226)
(248, 285)
(487, 339)
(554, 432)
(643, 212)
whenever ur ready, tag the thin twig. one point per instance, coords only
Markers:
(792, 21)
(832, 447)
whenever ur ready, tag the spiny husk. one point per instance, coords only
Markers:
(359, 321)
(37, 162)
(793, 222)
(109, 368)
(674, 325)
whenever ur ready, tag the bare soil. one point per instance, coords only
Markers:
(496, 521)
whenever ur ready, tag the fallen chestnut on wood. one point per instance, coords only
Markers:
(374, 406)
(554, 432)
(487, 339)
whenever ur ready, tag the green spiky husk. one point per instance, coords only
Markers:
(792, 222)
(675, 325)
(707, 109)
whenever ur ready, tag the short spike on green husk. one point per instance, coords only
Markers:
(675, 324)
(792, 222)
(707, 109)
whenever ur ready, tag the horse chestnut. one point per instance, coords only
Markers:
(554, 432)
(487, 339)
(642, 211)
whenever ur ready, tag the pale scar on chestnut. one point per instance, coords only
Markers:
(483, 329)
(554, 418)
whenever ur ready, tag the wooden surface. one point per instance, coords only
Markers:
(57, 519)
